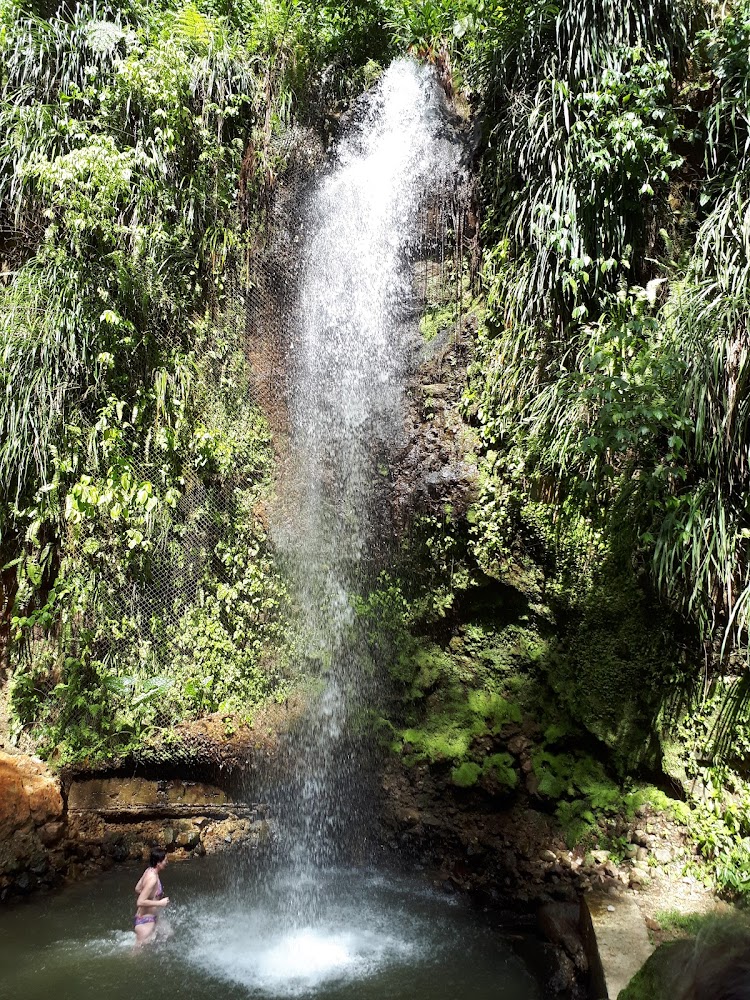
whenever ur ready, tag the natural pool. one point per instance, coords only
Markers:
(377, 936)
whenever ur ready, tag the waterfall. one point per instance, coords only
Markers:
(352, 343)
(312, 926)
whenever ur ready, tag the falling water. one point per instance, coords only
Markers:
(351, 349)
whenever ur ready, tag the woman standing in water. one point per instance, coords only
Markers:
(150, 896)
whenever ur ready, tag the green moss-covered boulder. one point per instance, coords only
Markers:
(656, 979)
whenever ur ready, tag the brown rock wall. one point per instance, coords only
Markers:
(29, 794)
(32, 814)
(47, 836)
(140, 794)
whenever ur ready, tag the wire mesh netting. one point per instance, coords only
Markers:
(175, 608)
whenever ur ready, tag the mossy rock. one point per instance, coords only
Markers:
(656, 979)
(612, 672)
(466, 774)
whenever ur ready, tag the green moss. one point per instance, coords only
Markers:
(612, 668)
(426, 665)
(436, 319)
(585, 668)
(656, 979)
(445, 741)
(494, 711)
(499, 767)
(448, 734)
(466, 774)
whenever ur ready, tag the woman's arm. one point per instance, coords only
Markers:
(148, 886)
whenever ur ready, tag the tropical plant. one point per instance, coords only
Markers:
(629, 397)
(127, 434)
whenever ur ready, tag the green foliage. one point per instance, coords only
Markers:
(78, 709)
(165, 602)
(614, 670)
(576, 175)
(119, 169)
(585, 796)
(610, 388)
(449, 734)
(466, 774)
(499, 767)
(720, 825)
(438, 318)
(675, 922)
(223, 646)
(440, 26)
(621, 402)
(436, 543)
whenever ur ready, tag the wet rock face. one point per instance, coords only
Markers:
(31, 823)
(432, 470)
(114, 819)
(45, 839)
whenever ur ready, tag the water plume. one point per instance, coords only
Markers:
(352, 346)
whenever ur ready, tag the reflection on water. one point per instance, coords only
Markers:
(378, 936)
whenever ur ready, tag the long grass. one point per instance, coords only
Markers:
(647, 416)
(120, 147)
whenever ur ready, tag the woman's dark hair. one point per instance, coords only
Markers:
(158, 854)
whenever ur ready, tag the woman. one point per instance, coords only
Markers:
(150, 896)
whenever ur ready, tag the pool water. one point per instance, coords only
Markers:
(375, 935)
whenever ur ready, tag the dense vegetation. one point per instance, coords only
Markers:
(139, 150)
(131, 459)
(609, 394)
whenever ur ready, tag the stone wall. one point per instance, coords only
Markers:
(50, 832)
(118, 818)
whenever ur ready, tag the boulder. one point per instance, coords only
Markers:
(560, 923)
(50, 833)
(188, 839)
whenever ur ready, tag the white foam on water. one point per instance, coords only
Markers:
(114, 943)
(294, 962)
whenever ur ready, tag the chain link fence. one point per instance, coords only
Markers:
(178, 611)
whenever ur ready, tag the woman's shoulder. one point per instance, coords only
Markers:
(148, 876)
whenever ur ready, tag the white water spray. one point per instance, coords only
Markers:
(351, 350)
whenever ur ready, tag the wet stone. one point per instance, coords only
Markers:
(188, 839)
(50, 833)
(24, 883)
(39, 866)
